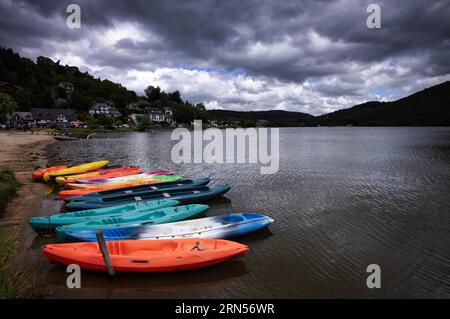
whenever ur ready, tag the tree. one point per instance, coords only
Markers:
(7, 107)
(106, 121)
(175, 97)
(144, 123)
(200, 106)
(153, 93)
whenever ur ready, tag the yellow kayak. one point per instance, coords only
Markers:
(75, 170)
(103, 173)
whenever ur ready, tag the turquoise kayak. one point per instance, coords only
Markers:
(46, 223)
(158, 216)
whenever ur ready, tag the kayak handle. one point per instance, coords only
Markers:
(140, 261)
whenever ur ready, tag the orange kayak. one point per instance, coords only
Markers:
(83, 191)
(104, 173)
(38, 175)
(162, 255)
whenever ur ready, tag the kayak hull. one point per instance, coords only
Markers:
(75, 170)
(134, 219)
(119, 180)
(102, 173)
(131, 192)
(123, 179)
(38, 176)
(146, 256)
(185, 196)
(223, 226)
(49, 223)
(82, 191)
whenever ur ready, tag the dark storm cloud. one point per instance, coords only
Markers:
(287, 41)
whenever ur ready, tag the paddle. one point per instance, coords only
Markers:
(104, 250)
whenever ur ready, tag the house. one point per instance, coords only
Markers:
(45, 117)
(21, 119)
(6, 87)
(138, 106)
(105, 108)
(160, 115)
(67, 86)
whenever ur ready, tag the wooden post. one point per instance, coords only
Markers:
(104, 250)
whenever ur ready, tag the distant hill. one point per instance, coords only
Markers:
(430, 107)
(266, 118)
(43, 84)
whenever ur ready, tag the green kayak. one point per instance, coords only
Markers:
(158, 216)
(46, 223)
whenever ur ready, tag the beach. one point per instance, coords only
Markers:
(23, 153)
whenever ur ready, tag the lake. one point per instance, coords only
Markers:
(343, 198)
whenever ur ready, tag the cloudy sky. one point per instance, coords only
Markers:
(307, 56)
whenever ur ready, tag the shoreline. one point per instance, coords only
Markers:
(24, 153)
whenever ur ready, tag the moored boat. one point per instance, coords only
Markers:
(131, 192)
(146, 256)
(184, 195)
(39, 174)
(101, 173)
(147, 177)
(78, 169)
(223, 226)
(134, 219)
(48, 223)
(130, 178)
(154, 181)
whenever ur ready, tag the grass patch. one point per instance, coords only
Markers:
(8, 187)
(11, 283)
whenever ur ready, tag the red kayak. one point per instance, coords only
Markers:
(104, 173)
(162, 255)
(38, 175)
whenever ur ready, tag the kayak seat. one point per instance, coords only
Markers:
(251, 216)
(233, 218)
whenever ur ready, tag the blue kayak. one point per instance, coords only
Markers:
(223, 226)
(47, 223)
(153, 217)
(184, 195)
(140, 190)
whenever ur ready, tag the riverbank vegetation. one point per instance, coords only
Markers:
(13, 283)
(8, 187)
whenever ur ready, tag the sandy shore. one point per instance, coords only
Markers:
(24, 153)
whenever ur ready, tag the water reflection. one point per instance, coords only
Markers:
(343, 198)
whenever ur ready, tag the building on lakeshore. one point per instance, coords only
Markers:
(49, 117)
(138, 107)
(21, 119)
(104, 108)
(42, 117)
(67, 86)
(160, 115)
(6, 87)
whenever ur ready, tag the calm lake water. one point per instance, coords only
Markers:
(343, 198)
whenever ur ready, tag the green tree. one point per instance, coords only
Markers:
(152, 93)
(144, 123)
(175, 97)
(7, 107)
(106, 121)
